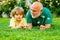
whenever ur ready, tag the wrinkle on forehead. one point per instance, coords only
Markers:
(36, 5)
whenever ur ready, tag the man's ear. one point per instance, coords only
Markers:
(40, 11)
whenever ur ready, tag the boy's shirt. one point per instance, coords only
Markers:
(13, 22)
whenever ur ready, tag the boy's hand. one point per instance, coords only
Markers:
(24, 26)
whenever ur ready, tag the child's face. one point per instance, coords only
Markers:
(17, 16)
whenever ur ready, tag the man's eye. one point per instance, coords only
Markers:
(34, 10)
(16, 14)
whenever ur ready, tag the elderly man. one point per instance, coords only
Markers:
(39, 15)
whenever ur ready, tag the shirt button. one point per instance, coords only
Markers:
(48, 18)
(43, 16)
(38, 22)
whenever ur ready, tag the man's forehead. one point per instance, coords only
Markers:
(36, 5)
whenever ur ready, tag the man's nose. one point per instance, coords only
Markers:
(33, 13)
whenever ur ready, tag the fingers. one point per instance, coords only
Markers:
(42, 27)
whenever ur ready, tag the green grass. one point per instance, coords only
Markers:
(25, 34)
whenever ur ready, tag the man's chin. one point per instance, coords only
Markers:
(34, 17)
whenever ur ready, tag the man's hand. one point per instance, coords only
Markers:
(42, 27)
(29, 26)
(47, 25)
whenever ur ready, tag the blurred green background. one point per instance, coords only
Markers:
(7, 5)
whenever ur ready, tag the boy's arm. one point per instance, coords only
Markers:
(12, 24)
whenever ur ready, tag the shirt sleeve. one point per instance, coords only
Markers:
(11, 22)
(48, 19)
(28, 17)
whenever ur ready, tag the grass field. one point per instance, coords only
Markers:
(25, 34)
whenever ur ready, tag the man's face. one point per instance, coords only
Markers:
(35, 12)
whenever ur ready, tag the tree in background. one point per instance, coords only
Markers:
(8, 5)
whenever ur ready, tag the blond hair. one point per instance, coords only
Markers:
(17, 9)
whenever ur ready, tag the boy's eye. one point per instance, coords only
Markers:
(20, 15)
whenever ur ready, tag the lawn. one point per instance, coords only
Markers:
(25, 34)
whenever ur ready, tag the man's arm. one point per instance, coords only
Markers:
(47, 25)
(42, 27)
(29, 25)
(29, 20)
(48, 19)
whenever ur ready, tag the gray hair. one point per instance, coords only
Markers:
(41, 5)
